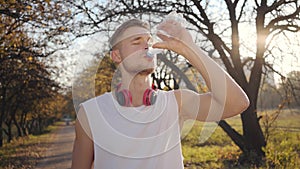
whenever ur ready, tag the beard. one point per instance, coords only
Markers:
(139, 63)
(139, 70)
(147, 71)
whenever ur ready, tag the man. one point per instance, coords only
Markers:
(137, 127)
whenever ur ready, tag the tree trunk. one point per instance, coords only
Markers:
(31, 125)
(252, 142)
(9, 131)
(237, 138)
(17, 126)
(2, 114)
(253, 135)
(23, 123)
(1, 134)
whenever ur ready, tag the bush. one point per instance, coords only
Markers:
(283, 150)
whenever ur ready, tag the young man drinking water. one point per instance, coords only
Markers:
(136, 127)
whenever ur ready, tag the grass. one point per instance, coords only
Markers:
(218, 151)
(23, 153)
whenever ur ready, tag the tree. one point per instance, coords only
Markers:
(269, 97)
(269, 19)
(290, 87)
(23, 82)
(28, 32)
(93, 80)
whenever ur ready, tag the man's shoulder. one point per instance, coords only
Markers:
(99, 98)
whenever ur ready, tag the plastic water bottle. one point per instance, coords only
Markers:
(171, 16)
(176, 17)
(153, 51)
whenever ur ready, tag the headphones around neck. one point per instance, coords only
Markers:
(124, 97)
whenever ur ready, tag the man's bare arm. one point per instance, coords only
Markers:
(83, 150)
(225, 98)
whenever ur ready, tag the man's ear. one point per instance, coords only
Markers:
(115, 55)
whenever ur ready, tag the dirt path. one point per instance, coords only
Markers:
(59, 154)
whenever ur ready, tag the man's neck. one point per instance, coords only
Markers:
(137, 86)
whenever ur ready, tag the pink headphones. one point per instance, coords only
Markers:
(124, 97)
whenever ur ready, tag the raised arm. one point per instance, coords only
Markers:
(83, 150)
(225, 98)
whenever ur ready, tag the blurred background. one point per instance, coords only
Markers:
(51, 50)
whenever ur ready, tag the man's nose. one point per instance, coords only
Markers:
(149, 42)
(146, 45)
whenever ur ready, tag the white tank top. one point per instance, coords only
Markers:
(145, 137)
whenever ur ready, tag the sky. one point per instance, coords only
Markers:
(77, 57)
(282, 62)
(81, 52)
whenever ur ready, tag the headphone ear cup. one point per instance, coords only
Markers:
(149, 97)
(153, 97)
(124, 98)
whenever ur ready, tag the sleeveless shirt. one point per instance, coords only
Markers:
(144, 137)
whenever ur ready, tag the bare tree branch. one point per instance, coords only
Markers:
(276, 20)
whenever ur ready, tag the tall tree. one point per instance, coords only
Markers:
(29, 31)
(290, 87)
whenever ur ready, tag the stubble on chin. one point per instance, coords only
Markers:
(146, 71)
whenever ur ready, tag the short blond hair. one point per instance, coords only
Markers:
(121, 29)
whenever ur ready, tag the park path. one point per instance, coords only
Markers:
(59, 153)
